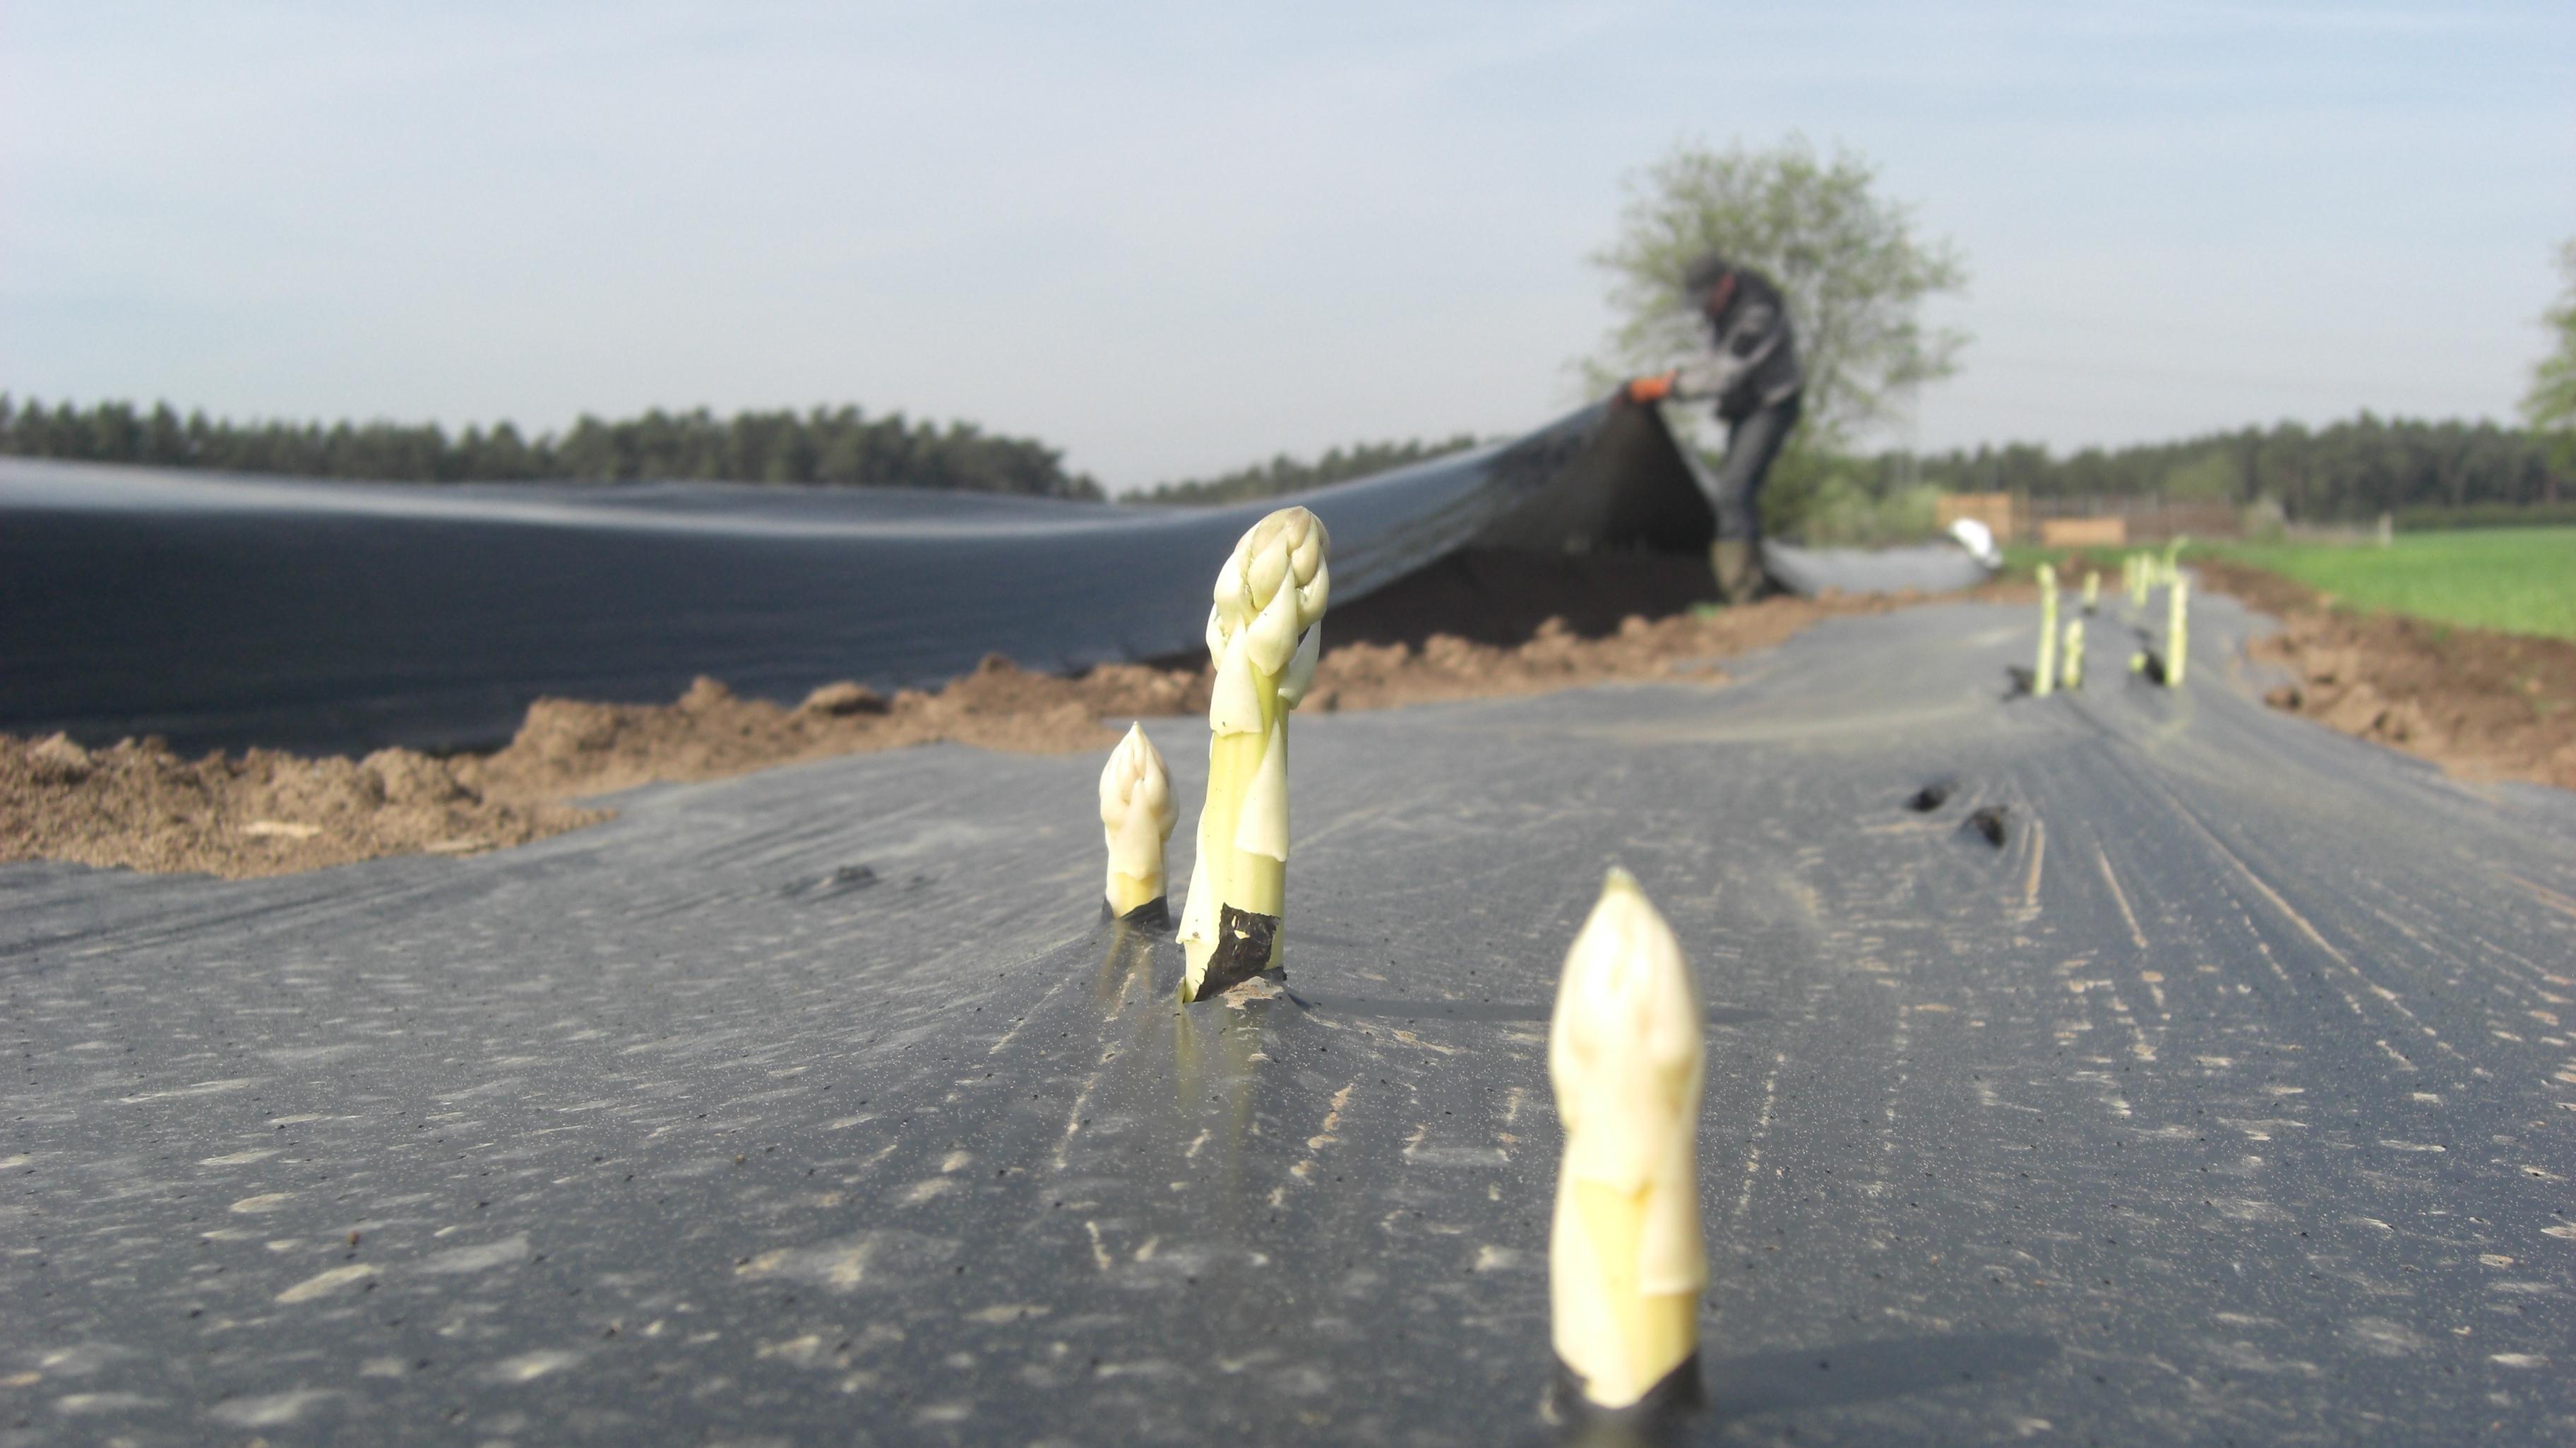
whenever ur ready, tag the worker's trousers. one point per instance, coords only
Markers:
(1735, 489)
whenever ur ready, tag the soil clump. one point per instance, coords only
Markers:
(2482, 705)
(138, 805)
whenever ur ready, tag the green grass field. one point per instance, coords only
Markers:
(2513, 580)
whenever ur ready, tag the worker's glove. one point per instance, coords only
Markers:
(1643, 390)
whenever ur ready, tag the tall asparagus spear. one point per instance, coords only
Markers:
(1263, 633)
(2071, 672)
(1137, 813)
(2177, 629)
(2043, 679)
(1625, 1261)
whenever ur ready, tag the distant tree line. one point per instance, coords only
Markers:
(1284, 474)
(828, 447)
(2344, 471)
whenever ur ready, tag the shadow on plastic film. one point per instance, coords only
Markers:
(1392, 1008)
(1861, 1372)
(1215, 1055)
(1183, 1075)
(1834, 1376)
(1127, 963)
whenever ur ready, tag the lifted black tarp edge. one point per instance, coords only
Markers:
(228, 612)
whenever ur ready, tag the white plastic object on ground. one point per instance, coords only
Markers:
(1979, 540)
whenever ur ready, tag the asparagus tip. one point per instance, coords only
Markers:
(1625, 1263)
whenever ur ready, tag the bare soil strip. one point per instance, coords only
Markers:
(138, 805)
(2482, 705)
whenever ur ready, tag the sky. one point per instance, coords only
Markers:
(1174, 239)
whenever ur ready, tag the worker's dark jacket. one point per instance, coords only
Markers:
(1753, 362)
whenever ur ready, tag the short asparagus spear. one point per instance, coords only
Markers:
(2092, 589)
(1264, 634)
(1137, 813)
(1625, 1262)
(2071, 673)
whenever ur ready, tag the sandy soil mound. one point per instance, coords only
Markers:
(2482, 705)
(264, 813)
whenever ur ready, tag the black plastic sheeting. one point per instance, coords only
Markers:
(2224, 1096)
(337, 617)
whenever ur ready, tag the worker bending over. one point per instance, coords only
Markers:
(1752, 372)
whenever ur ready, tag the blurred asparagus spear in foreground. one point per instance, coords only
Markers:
(1264, 634)
(1137, 813)
(2043, 679)
(2177, 629)
(1625, 1262)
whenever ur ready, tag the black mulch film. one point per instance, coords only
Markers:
(2224, 1098)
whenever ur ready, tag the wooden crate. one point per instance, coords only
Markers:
(2084, 532)
(1995, 510)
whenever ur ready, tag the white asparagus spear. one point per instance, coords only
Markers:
(2177, 630)
(2043, 678)
(1264, 633)
(1137, 813)
(1625, 1263)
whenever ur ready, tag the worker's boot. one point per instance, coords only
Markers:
(1738, 567)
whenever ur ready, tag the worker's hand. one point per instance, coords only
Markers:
(1648, 389)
